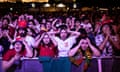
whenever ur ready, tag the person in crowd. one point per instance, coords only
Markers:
(11, 59)
(46, 51)
(70, 21)
(77, 24)
(5, 23)
(26, 34)
(64, 41)
(31, 24)
(85, 23)
(30, 38)
(83, 49)
(107, 41)
(56, 23)
(49, 26)
(63, 30)
(5, 40)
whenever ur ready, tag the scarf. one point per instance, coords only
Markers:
(78, 58)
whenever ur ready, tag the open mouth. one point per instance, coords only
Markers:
(17, 48)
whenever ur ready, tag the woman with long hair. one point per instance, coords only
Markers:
(11, 59)
(83, 49)
(64, 39)
(46, 51)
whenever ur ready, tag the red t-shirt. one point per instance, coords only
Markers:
(47, 51)
(11, 53)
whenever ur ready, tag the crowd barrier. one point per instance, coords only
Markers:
(101, 64)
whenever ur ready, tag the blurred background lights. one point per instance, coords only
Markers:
(47, 5)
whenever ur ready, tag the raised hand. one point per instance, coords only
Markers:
(24, 42)
(42, 35)
(81, 41)
(88, 40)
(6, 32)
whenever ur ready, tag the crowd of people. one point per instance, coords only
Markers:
(58, 39)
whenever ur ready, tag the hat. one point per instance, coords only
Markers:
(107, 21)
(22, 24)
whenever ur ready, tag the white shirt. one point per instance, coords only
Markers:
(30, 40)
(64, 46)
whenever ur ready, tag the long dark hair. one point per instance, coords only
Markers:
(82, 36)
(63, 27)
(111, 29)
(22, 34)
(43, 44)
(23, 46)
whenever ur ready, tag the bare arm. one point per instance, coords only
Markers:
(74, 33)
(95, 51)
(74, 50)
(102, 45)
(28, 49)
(53, 40)
(37, 37)
(97, 26)
(73, 22)
(38, 41)
(8, 64)
(15, 35)
(9, 38)
(53, 33)
(53, 23)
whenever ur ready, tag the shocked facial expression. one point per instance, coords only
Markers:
(84, 44)
(106, 29)
(63, 34)
(46, 39)
(18, 47)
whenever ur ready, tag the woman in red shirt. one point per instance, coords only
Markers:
(12, 57)
(46, 50)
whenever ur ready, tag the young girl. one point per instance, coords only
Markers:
(46, 51)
